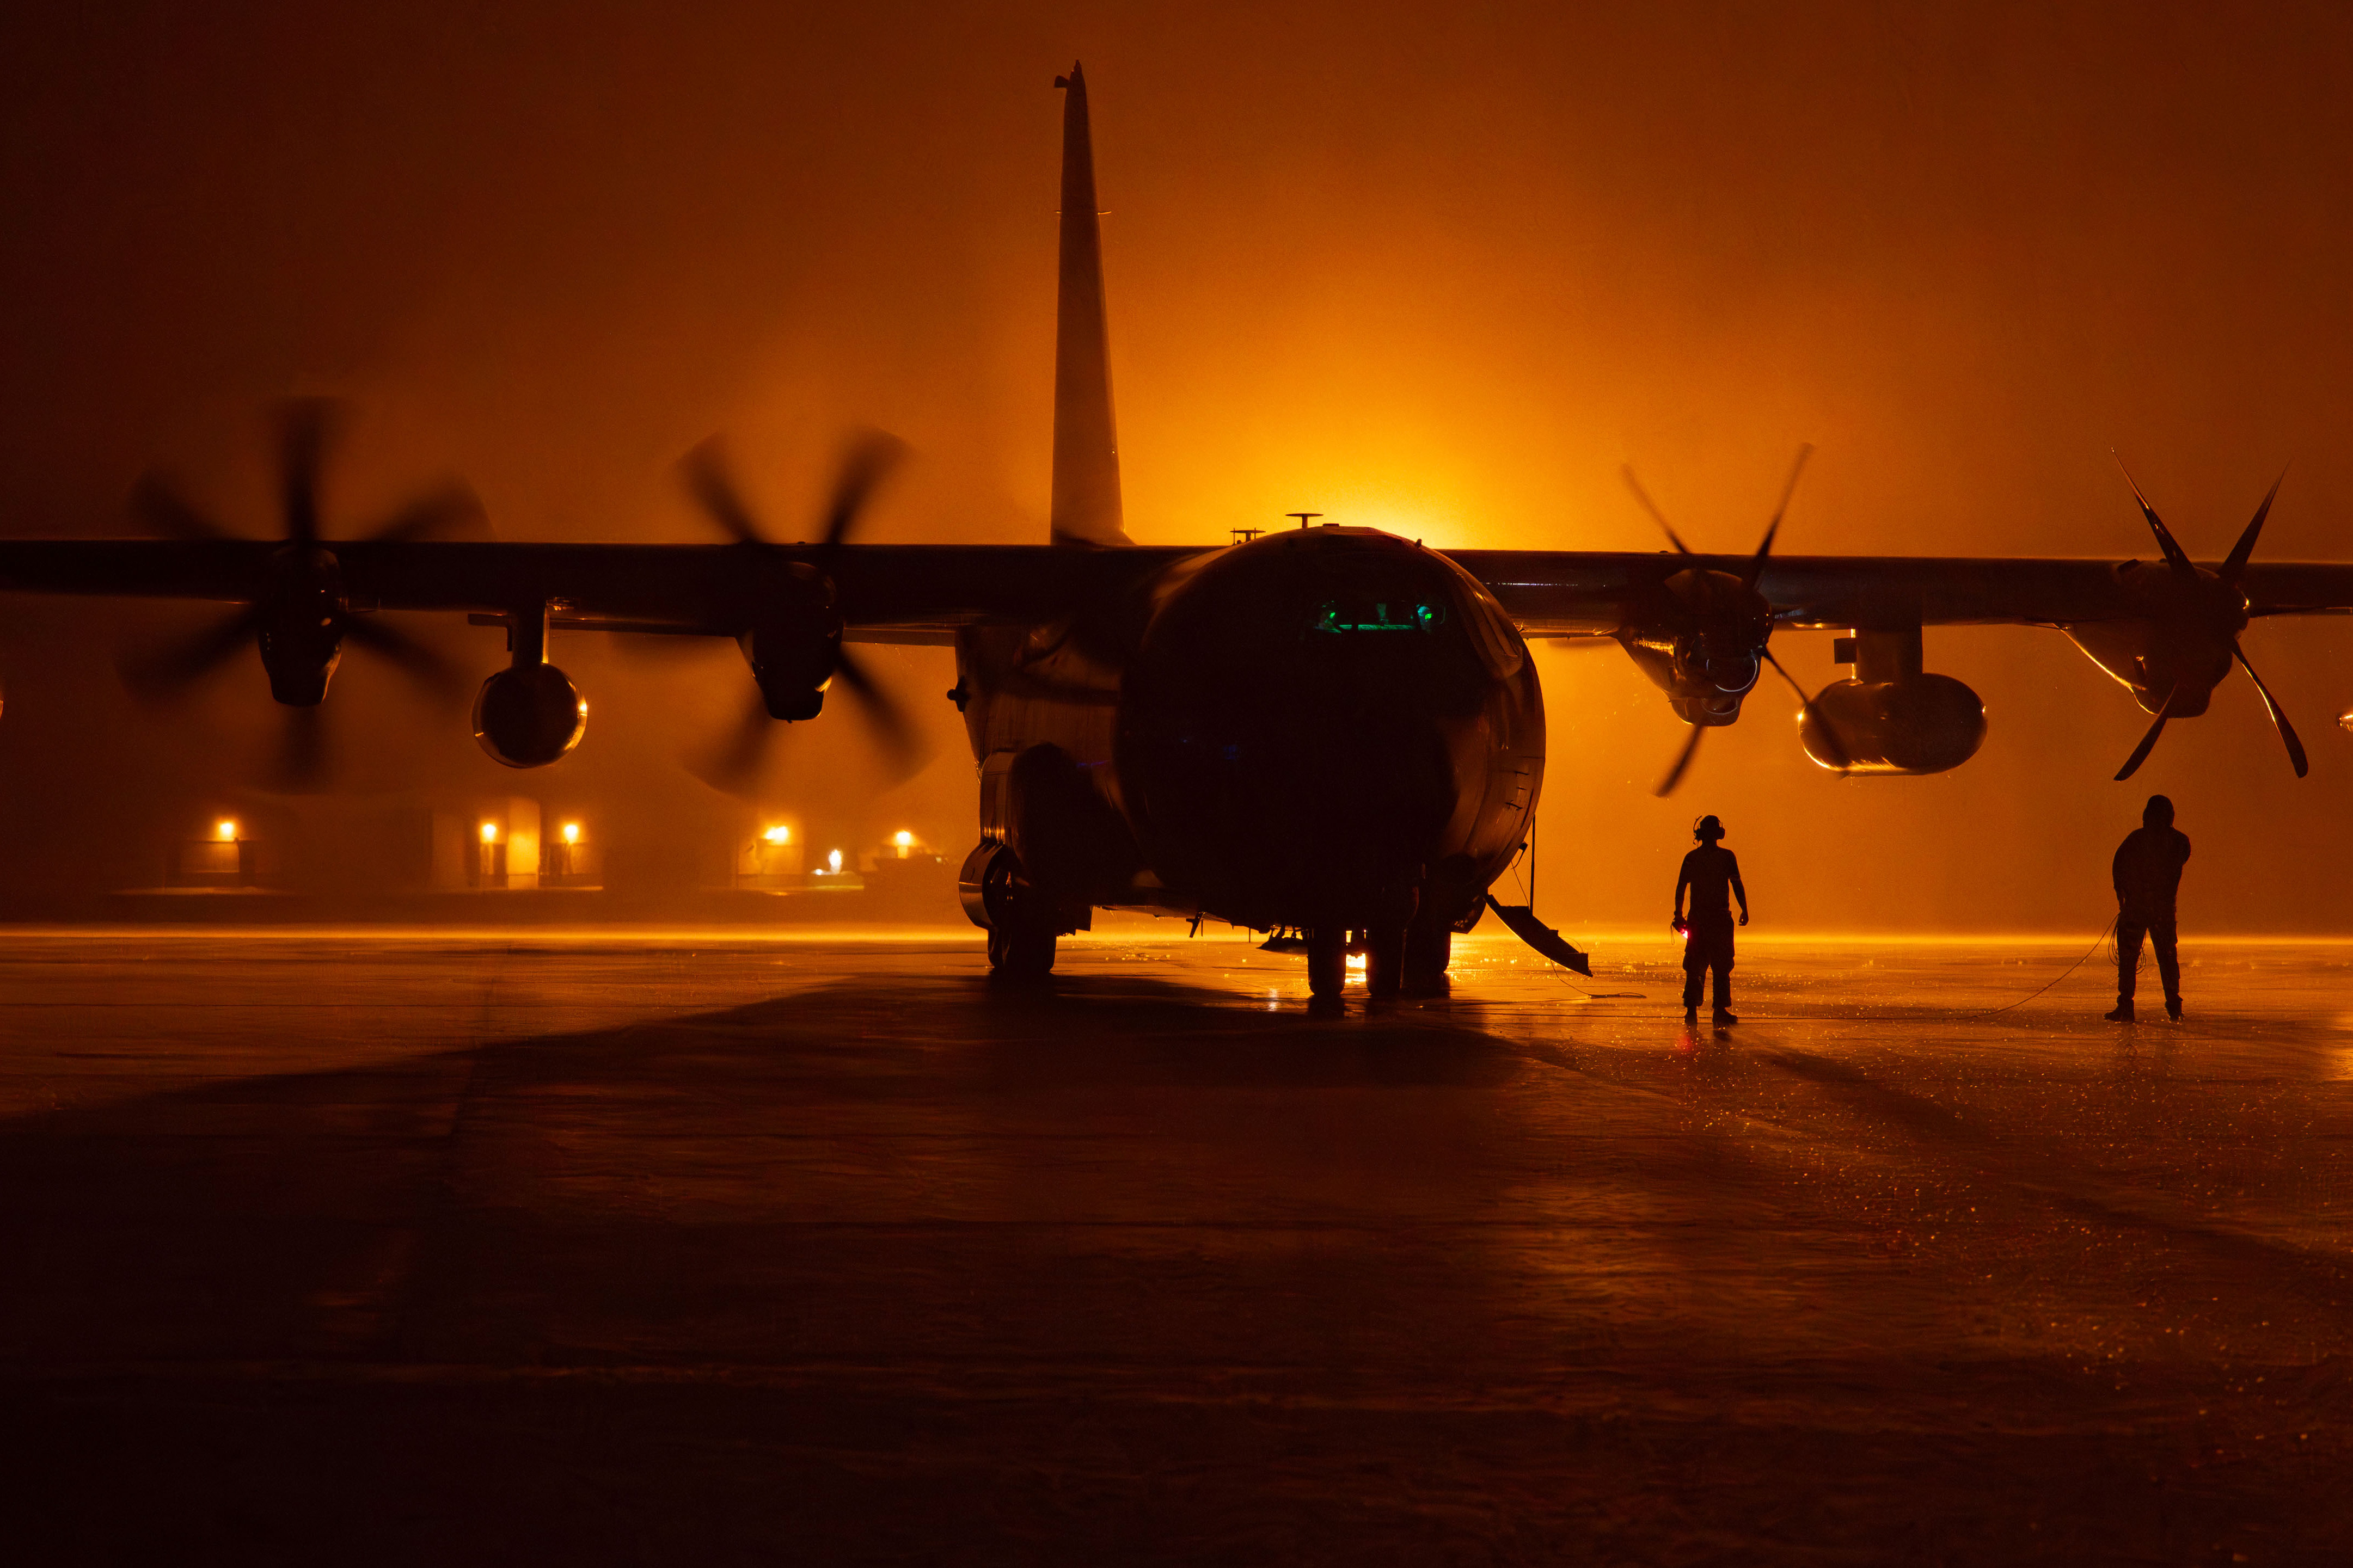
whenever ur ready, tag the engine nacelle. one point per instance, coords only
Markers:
(301, 626)
(300, 666)
(529, 715)
(792, 660)
(1921, 724)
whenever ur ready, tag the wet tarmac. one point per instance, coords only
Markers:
(674, 1248)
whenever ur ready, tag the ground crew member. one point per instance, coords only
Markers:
(2148, 873)
(1711, 872)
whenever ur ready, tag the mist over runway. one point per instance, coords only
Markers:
(1442, 277)
(656, 1244)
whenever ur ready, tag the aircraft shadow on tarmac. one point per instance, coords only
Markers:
(1075, 1031)
(393, 1209)
(1136, 1267)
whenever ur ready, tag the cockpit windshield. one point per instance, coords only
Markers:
(1339, 617)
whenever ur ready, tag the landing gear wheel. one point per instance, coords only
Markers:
(1428, 948)
(1023, 951)
(1385, 949)
(1020, 944)
(1327, 963)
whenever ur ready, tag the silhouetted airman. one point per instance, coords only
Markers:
(2148, 873)
(1712, 874)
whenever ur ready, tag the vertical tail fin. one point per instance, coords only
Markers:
(1086, 508)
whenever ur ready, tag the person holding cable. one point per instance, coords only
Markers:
(1711, 874)
(2146, 872)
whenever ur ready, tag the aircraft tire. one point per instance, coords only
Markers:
(1385, 962)
(1327, 963)
(1023, 951)
(1428, 948)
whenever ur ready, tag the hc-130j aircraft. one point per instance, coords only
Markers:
(1326, 730)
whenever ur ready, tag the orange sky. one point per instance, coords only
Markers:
(1439, 269)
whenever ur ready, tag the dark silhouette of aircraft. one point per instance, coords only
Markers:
(1325, 729)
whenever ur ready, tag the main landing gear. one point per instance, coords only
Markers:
(1026, 951)
(1021, 921)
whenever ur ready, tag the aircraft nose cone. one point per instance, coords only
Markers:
(1299, 730)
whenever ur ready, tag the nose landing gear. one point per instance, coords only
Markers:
(1388, 967)
(1327, 964)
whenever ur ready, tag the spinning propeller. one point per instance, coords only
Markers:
(2197, 618)
(1724, 623)
(301, 618)
(806, 632)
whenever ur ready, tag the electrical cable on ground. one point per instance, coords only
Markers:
(1989, 1011)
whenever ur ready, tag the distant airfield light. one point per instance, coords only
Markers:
(489, 833)
(226, 830)
(779, 836)
(833, 862)
(571, 833)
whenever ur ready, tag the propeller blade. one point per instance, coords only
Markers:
(1821, 722)
(904, 751)
(304, 427)
(708, 481)
(162, 510)
(732, 766)
(1652, 507)
(1683, 759)
(2237, 561)
(166, 672)
(2175, 556)
(871, 457)
(427, 665)
(1764, 550)
(453, 512)
(2148, 742)
(2279, 717)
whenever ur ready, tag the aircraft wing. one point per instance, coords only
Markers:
(922, 588)
(686, 588)
(1588, 594)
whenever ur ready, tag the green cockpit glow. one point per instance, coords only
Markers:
(1380, 615)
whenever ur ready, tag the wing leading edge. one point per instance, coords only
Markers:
(1547, 593)
(1593, 593)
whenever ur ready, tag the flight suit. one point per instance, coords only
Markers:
(2148, 876)
(1711, 872)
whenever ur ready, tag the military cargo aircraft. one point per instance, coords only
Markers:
(1326, 731)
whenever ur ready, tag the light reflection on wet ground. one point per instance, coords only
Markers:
(650, 1245)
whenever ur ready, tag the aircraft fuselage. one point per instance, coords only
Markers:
(1328, 727)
